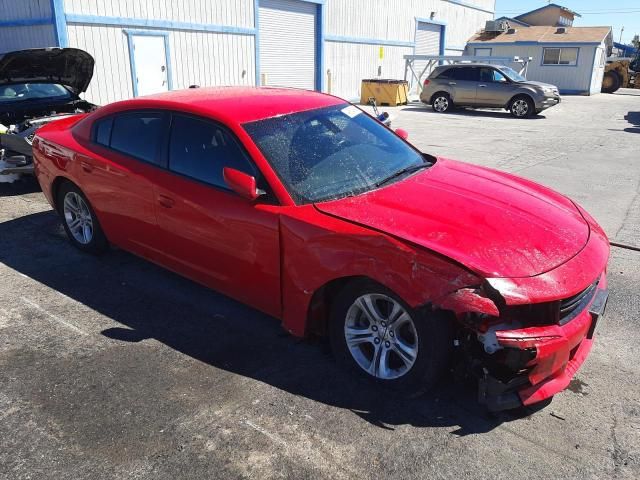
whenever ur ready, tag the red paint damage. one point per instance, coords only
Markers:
(499, 252)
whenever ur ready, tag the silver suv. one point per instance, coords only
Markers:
(492, 86)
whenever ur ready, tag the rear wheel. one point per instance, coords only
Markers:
(381, 338)
(79, 220)
(611, 82)
(522, 107)
(441, 102)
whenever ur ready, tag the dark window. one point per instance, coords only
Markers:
(138, 134)
(470, 74)
(103, 131)
(200, 149)
(446, 74)
(490, 75)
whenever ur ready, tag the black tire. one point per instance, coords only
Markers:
(441, 102)
(434, 332)
(522, 106)
(611, 82)
(97, 243)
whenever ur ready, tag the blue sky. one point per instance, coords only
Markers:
(614, 13)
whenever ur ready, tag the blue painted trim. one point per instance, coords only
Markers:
(59, 23)
(475, 50)
(470, 5)
(456, 48)
(429, 20)
(132, 62)
(320, 32)
(368, 41)
(560, 64)
(163, 24)
(543, 44)
(27, 22)
(256, 39)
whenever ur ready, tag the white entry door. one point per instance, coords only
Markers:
(288, 43)
(150, 64)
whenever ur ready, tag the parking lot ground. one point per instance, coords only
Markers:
(111, 367)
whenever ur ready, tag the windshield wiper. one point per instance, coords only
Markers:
(403, 171)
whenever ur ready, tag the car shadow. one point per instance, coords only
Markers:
(25, 184)
(149, 302)
(634, 119)
(469, 112)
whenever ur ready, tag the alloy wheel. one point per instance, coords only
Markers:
(381, 336)
(78, 218)
(441, 104)
(520, 107)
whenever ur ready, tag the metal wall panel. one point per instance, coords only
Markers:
(19, 38)
(112, 74)
(351, 63)
(287, 43)
(24, 9)
(208, 59)
(198, 58)
(217, 12)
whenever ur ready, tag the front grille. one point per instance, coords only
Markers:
(572, 306)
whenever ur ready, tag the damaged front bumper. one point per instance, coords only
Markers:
(549, 357)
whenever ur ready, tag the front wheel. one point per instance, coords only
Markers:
(522, 107)
(381, 338)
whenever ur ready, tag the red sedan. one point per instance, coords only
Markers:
(308, 209)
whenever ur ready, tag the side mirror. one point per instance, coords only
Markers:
(403, 134)
(241, 183)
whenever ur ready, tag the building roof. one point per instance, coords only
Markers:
(551, 5)
(513, 21)
(545, 35)
(232, 104)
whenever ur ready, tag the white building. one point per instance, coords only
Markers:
(572, 58)
(145, 46)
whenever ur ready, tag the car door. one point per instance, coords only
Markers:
(464, 84)
(494, 88)
(209, 232)
(116, 173)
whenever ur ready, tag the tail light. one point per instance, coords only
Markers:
(426, 82)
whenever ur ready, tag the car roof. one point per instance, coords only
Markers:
(234, 104)
(459, 65)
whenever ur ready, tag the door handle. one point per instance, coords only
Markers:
(482, 86)
(87, 167)
(166, 202)
(452, 83)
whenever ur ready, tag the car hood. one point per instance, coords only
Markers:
(539, 84)
(496, 224)
(70, 67)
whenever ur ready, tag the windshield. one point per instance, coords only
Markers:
(333, 152)
(19, 92)
(512, 74)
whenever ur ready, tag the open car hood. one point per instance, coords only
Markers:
(70, 67)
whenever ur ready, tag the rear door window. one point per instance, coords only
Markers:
(200, 149)
(136, 134)
(470, 74)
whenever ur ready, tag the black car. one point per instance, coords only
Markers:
(37, 86)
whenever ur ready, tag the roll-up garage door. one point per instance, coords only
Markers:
(288, 43)
(428, 39)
